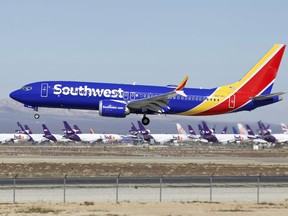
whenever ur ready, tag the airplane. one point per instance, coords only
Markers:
(80, 137)
(284, 128)
(272, 137)
(13, 137)
(182, 135)
(109, 138)
(119, 100)
(35, 138)
(194, 136)
(213, 137)
(158, 138)
(247, 135)
(265, 133)
(53, 137)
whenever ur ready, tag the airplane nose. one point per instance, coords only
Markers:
(15, 95)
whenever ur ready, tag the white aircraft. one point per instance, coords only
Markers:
(247, 135)
(208, 134)
(158, 138)
(109, 138)
(13, 137)
(35, 138)
(182, 135)
(81, 137)
(54, 137)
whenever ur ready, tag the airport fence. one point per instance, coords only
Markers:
(125, 189)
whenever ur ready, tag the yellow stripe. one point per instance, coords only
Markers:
(223, 92)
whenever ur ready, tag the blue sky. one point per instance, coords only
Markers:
(147, 42)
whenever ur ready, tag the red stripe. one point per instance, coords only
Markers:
(253, 87)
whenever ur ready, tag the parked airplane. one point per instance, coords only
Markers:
(119, 100)
(53, 137)
(265, 133)
(109, 138)
(182, 136)
(272, 137)
(247, 134)
(158, 138)
(213, 137)
(13, 137)
(35, 138)
(194, 136)
(72, 135)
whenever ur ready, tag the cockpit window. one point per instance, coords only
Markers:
(27, 88)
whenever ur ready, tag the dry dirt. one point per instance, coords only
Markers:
(55, 161)
(150, 208)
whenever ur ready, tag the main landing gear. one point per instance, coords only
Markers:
(145, 120)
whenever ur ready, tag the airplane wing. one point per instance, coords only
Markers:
(156, 103)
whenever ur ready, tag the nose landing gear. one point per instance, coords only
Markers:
(36, 116)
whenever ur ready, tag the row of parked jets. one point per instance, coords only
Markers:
(25, 134)
(243, 134)
(141, 134)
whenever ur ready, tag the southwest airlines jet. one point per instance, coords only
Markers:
(119, 100)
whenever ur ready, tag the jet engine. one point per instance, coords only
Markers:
(113, 108)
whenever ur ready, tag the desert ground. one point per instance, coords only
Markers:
(30, 161)
(143, 208)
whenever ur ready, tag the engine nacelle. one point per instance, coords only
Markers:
(113, 108)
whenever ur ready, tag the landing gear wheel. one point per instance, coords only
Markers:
(36, 116)
(145, 120)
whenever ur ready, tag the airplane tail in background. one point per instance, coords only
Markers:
(77, 129)
(234, 130)
(242, 129)
(70, 133)
(249, 130)
(191, 130)
(133, 129)
(143, 130)
(91, 131)
(48, 134)
(224, 131)
(201, 131)
(206, 129)
(22, 130)
(180, 129)
(68, 130)
(28, 129)
(284, 128)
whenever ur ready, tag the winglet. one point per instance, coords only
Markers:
(182, 84)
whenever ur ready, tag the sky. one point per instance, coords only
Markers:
(148, 42)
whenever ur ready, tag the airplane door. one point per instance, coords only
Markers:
(44, 90)
(232, 101)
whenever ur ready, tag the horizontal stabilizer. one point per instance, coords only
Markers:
(268, 96)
